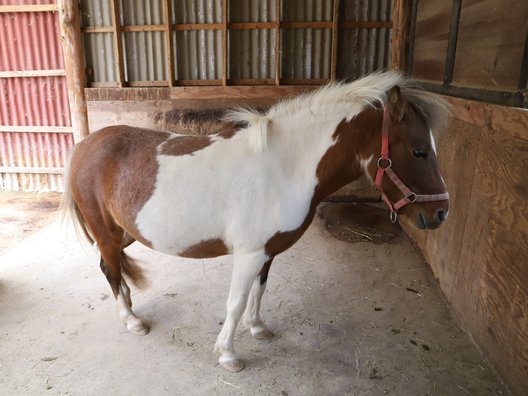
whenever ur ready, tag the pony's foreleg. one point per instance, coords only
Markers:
(245, 269)
(252, 314)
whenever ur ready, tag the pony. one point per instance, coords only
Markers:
(252, 190)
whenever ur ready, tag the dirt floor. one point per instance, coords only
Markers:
(358, 315)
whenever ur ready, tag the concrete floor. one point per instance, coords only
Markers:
(350, 319)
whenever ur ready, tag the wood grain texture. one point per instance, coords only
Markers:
(491, 43)
(480, 255)
(431, 39)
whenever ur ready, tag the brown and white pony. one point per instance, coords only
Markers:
(252, 192)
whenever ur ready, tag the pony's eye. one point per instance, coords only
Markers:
(420, 153)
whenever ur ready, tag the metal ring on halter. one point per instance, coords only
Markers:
(393, 216)
(384, 159)
(412, 197)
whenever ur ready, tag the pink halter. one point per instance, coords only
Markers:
(408, 196)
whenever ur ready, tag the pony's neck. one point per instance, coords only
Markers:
(336, 150)
(356, 144)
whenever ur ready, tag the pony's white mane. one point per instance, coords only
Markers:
(365, 91)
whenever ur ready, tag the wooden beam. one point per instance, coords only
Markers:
(198, 26)
(154, 83)
(452, 43)
(224, 42)
(32, 73)
(118, 45)
(400, 30)
(169, 51)
(231, 92)
(23, 169)
(97, 29)
(144, 28)
(35, 129)
(28, 8)
(333, 55)
(70, 31)
(277, 41)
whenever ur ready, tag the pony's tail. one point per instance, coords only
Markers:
(69, 209)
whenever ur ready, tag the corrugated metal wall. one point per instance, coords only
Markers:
(304, 53)
(32, 161)
(363, 51)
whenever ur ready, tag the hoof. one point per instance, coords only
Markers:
(138, 328)
(233, 366)
(264, 334)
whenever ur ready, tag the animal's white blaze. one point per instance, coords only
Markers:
(433, 142)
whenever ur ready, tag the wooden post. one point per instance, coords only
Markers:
(70, 31)
(400, 29)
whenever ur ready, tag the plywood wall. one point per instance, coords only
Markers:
(480, 256)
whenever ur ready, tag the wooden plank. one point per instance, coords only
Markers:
(490, 54)
(241, 92)
(251, 81)
(28, 8)
(307, 25)
(144, 28)
(251, 25)
(118, 45)
(479, 255)
(452, 42)
(333, 54)
(36, 129)
(158, 83)
(400, 29)
(32, 73)
(277, 41)
(198, 26)
(224, 42)
(71, 39)
(198, 82)
(365, 25)
(32, 170)
(104, 84)
(97, 29)
(127, 94)
(169, 50)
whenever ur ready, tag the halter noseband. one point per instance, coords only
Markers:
(385, 167)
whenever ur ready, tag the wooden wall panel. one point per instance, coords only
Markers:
(480, 255)
(490, 43)
(432, 33)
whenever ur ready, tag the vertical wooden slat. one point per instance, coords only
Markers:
(168, 42)
(333, 60)
(400, 30)
(224, 42)
(70, 31)
(277, 42)
(452, 43)
(118, 46)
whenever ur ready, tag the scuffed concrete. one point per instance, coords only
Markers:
(345, 324)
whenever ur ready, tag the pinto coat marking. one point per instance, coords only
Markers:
(251, 191)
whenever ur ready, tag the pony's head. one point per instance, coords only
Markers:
(405, 168)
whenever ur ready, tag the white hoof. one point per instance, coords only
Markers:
(262, 333)
(137, 327)
(233, 365)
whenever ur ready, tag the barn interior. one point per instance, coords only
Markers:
(69, 68)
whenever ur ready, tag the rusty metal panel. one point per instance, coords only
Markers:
(32, 161)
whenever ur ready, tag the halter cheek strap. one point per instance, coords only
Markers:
(385, 167)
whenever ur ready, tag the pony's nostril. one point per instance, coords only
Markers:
(440, 215)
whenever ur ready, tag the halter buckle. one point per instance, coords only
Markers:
(393, 216)
(389, 163)
(412, 197)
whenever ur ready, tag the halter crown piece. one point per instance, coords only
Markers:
(385, 167)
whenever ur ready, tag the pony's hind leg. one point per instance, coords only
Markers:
(252, 314)
(245, 269)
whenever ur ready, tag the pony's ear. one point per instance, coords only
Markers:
(397, 105)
